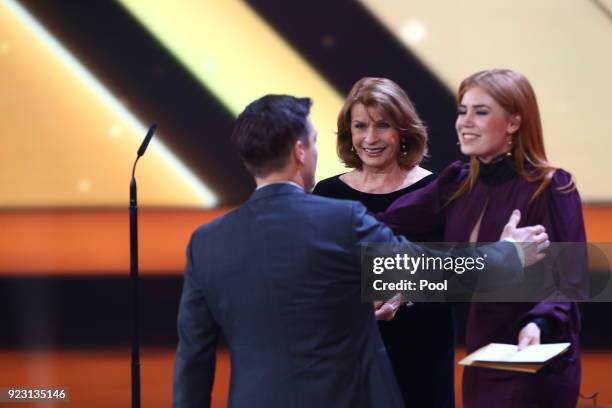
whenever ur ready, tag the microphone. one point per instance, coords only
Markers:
(135, 359)
(147, 139)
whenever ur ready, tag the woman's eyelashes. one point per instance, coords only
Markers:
(378, 125)
(479, 112)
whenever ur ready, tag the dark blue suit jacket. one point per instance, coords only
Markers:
(280, 277)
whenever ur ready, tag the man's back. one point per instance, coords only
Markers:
(280, 278)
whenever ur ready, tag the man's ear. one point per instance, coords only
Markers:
(298, 152)
(514, 123)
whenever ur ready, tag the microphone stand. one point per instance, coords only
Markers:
(135, 362)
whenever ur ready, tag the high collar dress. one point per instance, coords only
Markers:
(499, 190)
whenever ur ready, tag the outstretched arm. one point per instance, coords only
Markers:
(504, 265)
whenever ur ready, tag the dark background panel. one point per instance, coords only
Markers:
(42, 312)
(86, 311)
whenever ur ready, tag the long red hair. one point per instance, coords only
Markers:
(513, 92)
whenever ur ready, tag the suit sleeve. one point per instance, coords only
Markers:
(503, 264)
(195, 356)
(370, 230)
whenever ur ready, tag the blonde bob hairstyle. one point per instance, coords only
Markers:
(395, 106)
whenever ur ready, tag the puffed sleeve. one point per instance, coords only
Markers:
(561, 211)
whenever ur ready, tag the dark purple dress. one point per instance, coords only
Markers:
(497, 192)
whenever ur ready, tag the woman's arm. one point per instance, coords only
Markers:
(421, 212)
(562, 213)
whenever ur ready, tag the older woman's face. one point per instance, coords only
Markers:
(483, 126)
(376, 141)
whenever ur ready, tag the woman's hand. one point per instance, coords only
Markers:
(385, 310)
(530, 335)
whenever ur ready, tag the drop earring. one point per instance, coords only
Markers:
(509, 152)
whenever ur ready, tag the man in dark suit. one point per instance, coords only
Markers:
(279, 277)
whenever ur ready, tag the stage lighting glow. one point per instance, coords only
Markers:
(413, 32)
(55, 113)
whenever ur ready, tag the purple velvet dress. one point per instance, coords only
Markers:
(497, 192)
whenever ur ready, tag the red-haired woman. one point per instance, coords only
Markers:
(499, 128)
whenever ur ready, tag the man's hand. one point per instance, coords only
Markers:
(530, 335)
(532, 240)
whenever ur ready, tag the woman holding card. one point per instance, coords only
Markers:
(499, 128)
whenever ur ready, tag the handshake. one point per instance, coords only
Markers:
(530, 243)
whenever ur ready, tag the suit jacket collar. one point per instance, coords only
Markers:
(275, 189)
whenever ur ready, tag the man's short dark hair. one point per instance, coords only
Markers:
(267, 129)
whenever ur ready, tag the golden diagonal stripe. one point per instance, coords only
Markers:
(66, 140)
(239, 58)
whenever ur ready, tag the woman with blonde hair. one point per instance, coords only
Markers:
(499, 128)
(383, 140)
